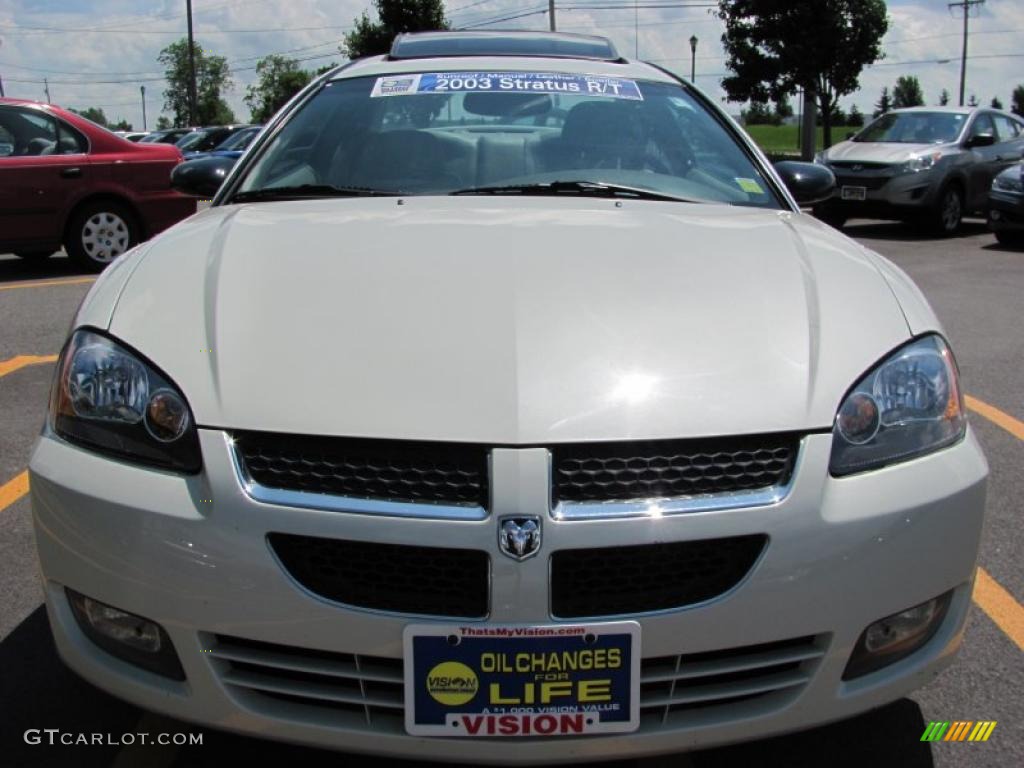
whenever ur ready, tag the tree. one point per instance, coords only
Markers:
(212, 78)
(774, 48)
(907, 93)
(855, 119)
(278, 79)
(783, 109)
(163, 123)
(92, 113)
(758, 114)
(121, 125)
(1018, 101)
(944, 98)
(370, 38)
(973, 101)
(837, 119)
(884, 104)
(996, 103)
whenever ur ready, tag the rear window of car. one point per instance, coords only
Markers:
(438, 132)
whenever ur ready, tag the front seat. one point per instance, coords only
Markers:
(599, 134)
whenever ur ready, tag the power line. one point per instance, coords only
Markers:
(16, 30)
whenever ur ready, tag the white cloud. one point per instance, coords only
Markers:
(920, 31)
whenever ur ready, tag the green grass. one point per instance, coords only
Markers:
(782, 139)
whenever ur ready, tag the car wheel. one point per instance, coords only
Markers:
(1011, 239)
(948, 212)
(34, 255)
(830, 216)
(99, 233)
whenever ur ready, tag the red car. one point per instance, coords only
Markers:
(66, 181)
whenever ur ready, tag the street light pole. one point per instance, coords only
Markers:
(143, 89)
(693, 58)
(551, 14)
(192, 67)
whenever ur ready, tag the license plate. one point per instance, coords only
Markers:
(854, 193)
(492, 681)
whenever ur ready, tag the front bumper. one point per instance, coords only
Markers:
(887, 194)
(191, 554)
(1005, 211)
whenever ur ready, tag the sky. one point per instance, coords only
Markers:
(100, 52)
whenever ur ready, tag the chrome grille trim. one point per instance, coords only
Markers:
(322, 501)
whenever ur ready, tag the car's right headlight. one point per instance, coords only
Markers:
(1009, 183)
(109, 399)
(909, 405)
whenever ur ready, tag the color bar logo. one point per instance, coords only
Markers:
(959, 730)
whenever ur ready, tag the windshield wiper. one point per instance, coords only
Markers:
(595, 188)
(308, 191)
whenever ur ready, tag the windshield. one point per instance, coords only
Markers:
(914, 128)
(438, 133)
(191, 140)
(240, 140)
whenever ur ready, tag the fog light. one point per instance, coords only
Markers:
(130, 638)
(895, 637)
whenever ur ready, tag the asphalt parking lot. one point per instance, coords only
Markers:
(977, 289)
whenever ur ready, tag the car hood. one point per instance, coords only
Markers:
(513, 321)
(878, 152)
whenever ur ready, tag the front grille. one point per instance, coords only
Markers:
(366, 692)
(360, 691)
(650, 577)
(856, 165)
(389, 470)
(676, 688)
(671, 468)
(868, 182)
(430, 581)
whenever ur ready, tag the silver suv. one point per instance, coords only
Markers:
(928, 164)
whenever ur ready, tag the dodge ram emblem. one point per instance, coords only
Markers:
(519, 537)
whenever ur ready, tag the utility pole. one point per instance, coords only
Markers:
(192, 66)
(809, 128)
(46, 87)
(966, 5)
(143, 89)
(551, 14)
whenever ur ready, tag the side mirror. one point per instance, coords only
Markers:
(986, 139)
(809, 183)
(201, 177)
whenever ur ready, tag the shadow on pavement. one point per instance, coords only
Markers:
(37, 691)
(897, 230)
(13, 268)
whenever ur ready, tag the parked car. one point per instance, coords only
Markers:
(66, 181)
(1006, 206)
(206, 139)
(167, 136)
(233, 146)
(932, 165)
(132, 135)
(504, 390)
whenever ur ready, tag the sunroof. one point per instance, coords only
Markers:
(427, 44)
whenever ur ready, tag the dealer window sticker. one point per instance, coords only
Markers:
(750, 185)
(507, 82)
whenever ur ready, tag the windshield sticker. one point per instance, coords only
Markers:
(506, 82)
(751, 186)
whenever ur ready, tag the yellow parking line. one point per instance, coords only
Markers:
(13, 490)
(45, 283)
(1000, 606)
(997, 417)
(20, 361)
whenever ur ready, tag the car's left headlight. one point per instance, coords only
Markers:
(109, 399)
(919, 163)
(821, 158)
(909, 405)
